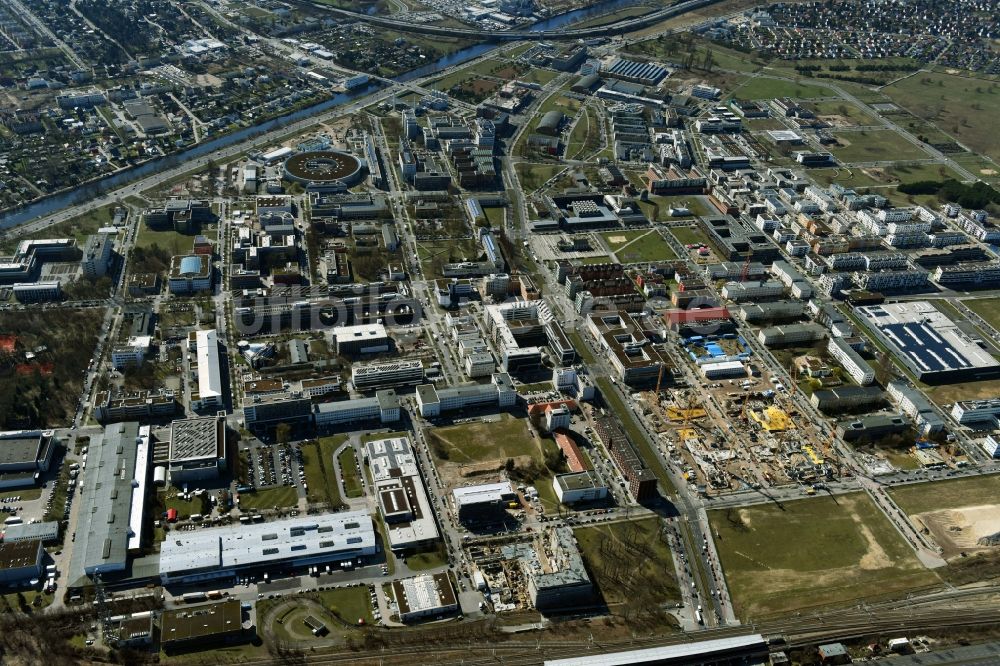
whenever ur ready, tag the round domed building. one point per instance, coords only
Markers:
(325, 167)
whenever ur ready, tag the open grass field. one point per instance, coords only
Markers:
(842, 112)
(533, 176)
(434, 254)
(171, 241)
(951, 494)
(987, 308)
(349, 470)
(348, 603)
(812, 553)
(764, 88)
(630, 562)
(478, 441)
(282, 497)
(78, 227)
(636, 246)
(983, 168)
(891, 176)
(965, 107)
(691, 235)
(317, 462)
(874, 145)
(431, 559)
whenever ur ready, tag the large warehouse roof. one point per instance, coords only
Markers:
(925, 338)
(336, 535)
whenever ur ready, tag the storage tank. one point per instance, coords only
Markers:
(160, 475)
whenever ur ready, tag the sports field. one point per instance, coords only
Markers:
(812, 553)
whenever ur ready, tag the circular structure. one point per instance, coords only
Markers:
(324, 166)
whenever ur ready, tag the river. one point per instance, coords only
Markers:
(57, 202)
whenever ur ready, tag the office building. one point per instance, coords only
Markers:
(634, 357)
(209, 393)
(977, 413)
(483, 503)
(361, 339)
(847, 397)
(857, 367)
(37, 292)
(197, 449)
(427, 595)
(387, 374)
(915, 404)
(96, 259)
(576, 487)
(792, 334)
(498, 394)
(383, 408)
(400, 492)
(190, 274)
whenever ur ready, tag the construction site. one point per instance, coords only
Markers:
(736, 434)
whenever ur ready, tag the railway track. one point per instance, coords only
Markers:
(907, 616)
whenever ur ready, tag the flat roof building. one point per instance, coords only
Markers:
(210, 389)
(20, 562)
(24, 453)
(483, 503)
(221, 552)
(190, 273)
(433, 402)
(400, 492)
(209, 624)
(197, 449)
(112, 502)
(633, 356)
(424, 596)
(927, 342)
(384, 408)
(361, 339)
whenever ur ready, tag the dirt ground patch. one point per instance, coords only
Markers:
(959, 530)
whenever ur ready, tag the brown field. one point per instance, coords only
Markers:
(959, 531)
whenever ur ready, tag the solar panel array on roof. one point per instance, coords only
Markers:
(638, 71)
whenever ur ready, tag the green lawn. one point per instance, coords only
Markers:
(690, 235)
(479, 441)
(533, 176)
(763, 88)
(638, 246)
(849, 112)
(434, 254)
(874, 145)
(352, 480)
(963, 106)
(187, 508)
(268, 498)
(987, 308)
(317, 462)
(78, 227)
(348, 603)
(630, 562)
(171, 241)
(428, 560)
(811, 553)
(951, 494)
(893, 175)
(26, 494)
(495, 215)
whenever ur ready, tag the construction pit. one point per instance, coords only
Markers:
(963, 530)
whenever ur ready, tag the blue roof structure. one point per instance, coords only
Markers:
(190, 266)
